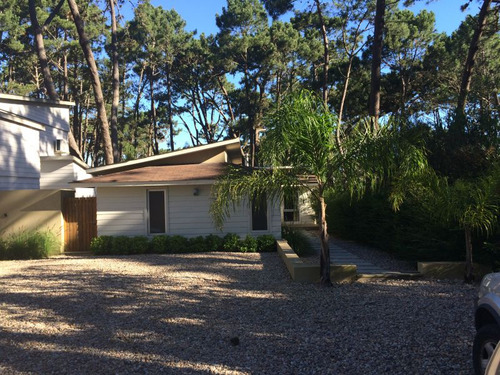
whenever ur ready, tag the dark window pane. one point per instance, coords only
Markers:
(289, 216)
(259, 215)
(290, 202)
(156, 212)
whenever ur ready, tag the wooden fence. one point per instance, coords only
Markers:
(80, 223)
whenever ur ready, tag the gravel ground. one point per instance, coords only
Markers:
(223, 313)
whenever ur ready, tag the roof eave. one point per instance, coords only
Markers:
(85, 184)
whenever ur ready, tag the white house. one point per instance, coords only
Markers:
(34, 150)
(170, 194)
(36, 165)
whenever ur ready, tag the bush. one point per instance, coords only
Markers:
(163, 244)
(249, 245)
(3, 249)
(178, 244)
(121, 245)
(101, 245)
(139, 244)
(198, 245)
(266, 243)
(160, 244)
(29, 245)
(213, 242)
(408, 234)
(297, 240)
(231, 242)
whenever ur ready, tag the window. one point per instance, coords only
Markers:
(156, 205)
(259, 214)
(290, 209)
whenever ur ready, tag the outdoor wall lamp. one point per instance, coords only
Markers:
(196, 191)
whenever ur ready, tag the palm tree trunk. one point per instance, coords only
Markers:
(325, 248)
(469, 268)
(96, 82)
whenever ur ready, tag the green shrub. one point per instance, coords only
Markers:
(101, 245)
(29, 245)
(408, 234)
(3, 249)
(160, 244)
(178, 244)
(297, 240)
(266, 243)
(231, 242)
(139, 244)
(214, 242)
(121, 245)
(249, 244)
(197, 245)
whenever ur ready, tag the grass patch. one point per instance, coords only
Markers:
(29, 245)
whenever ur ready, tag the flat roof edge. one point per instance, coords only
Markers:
(19, 98)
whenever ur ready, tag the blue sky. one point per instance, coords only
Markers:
(200, 14)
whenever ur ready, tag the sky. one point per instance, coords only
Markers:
(200, 15)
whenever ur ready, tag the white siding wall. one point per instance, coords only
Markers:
(123, 211)
(57, 173)
(19, 157)
(55, 119)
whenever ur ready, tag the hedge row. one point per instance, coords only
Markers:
(163, 244)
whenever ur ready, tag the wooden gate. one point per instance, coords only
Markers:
(80, 223)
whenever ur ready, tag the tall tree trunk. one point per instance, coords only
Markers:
(153, 132)
(47, 76)
(169, 109)
(374, 108)
(326, 53)
(325, 248)
(96, 82)
(469, 63)
(115, 84)
(42, 55)
(469, 269)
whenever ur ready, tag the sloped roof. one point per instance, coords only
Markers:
(178, 157)
(184, 174)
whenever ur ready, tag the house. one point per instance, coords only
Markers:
(170, 194)
(36, 165)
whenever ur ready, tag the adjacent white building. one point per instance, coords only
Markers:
(34, 149)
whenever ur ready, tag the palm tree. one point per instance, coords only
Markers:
(301, 144)
(472, 204)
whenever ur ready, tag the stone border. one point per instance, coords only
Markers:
(450, 270)
(300, 271)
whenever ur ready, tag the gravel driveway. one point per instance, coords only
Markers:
(223, 313)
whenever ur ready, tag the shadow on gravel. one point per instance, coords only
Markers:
(183, 313)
